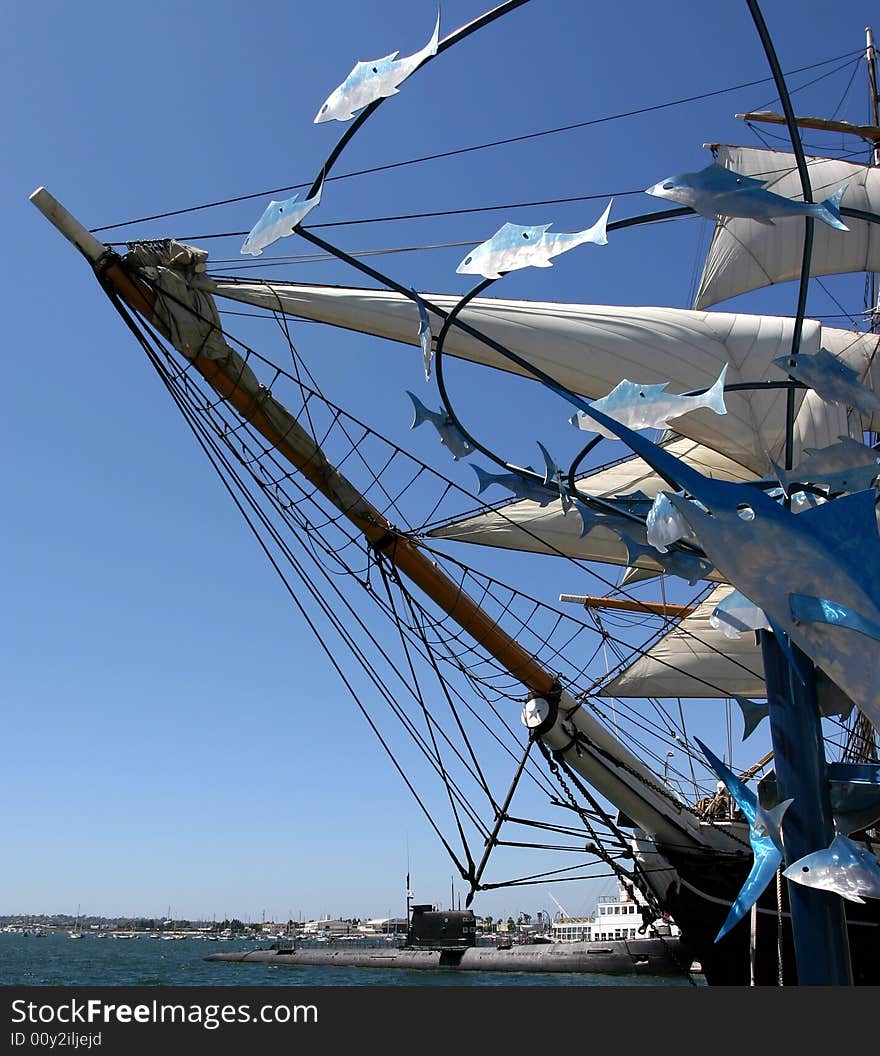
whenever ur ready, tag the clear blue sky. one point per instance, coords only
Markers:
(171, 735)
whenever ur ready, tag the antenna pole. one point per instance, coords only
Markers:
(871, 60)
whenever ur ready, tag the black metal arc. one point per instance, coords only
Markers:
(797, 145)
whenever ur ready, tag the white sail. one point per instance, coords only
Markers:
(694, 660)
(746, 256)
(590, 348)
(524, 525)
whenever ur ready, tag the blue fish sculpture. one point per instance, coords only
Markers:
(523, 487)
(844, 467)
(591, 519)
(450, 434)
(844, 867)
(832, 380)
(278, 221)
(513, 247)
(637, 503)
(753, 713)
(815, 574)
(765, 838)
(378, 79)
(691, 567)
(648, 406)
(716, 191)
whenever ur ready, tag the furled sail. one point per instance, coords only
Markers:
(746, 256)
(590, 348)
(694, 659)
(524, 525)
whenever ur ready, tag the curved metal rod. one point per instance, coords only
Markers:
(449, 322)
(796, 143)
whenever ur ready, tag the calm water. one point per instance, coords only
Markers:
(56, 960)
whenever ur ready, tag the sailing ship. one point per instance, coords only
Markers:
(348, 517)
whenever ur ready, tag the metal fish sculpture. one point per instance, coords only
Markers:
(764, 836)
(369, 81)
(424, 335)
(854, 791)
(513, 247)
(691, 567)
(832, 380)
(523, 487)
(637, 504)
(846, 466)
(844, 867)
(450, 435)
(278, 221)
(554, 477)
(665, 525)
(753, 713)
(648, 406)
(736, 613)
(717, 191)
(815, 574)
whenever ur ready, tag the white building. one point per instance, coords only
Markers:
(616, 917)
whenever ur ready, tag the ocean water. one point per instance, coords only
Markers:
(57, 960)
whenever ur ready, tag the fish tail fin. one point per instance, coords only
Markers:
(421, 411)
(714, 397)
(598, 233)
(549, 464)
(829, 210)
(783, 476)
(483, 477)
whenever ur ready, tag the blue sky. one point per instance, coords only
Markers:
(172, 736)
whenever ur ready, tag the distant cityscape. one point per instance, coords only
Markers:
(622, 916)
(324, 928)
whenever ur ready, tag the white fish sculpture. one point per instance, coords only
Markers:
(844, 867)
(278, 221)
(513, 247)
(665, 524)
(378, 79)
(717, 191)
(450, 435)
(648, 406)
(425, 336)
(832, 380)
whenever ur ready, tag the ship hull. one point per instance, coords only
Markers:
(699, 899)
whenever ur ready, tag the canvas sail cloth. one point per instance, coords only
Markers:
(590, 348)
(694, 659)
(524, 525)
(746, 256)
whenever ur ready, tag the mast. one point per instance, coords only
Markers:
(565, 725)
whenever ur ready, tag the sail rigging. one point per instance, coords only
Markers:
(588, 348)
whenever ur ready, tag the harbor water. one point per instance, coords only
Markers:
(57, 960)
